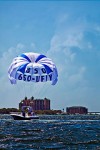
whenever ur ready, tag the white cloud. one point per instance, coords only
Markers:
(62, 53)
(78, 76)
(67, 45)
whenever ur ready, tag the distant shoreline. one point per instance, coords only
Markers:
(41, 112)
(48, 112)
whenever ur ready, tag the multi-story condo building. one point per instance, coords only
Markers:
(36, 104)
(76, 110)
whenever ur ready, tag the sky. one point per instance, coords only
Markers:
(68, 32)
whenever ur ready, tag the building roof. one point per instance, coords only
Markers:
(76, 107)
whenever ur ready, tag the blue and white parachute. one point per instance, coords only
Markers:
(32, 67)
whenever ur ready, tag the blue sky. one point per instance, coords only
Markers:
(66, 31)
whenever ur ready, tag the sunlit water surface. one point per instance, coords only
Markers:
(59, 132)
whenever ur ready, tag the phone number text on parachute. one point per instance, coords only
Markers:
(34, 78)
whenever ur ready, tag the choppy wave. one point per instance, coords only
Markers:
(50, 133)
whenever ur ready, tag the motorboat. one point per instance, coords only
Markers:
(21, 117)
(26, 114)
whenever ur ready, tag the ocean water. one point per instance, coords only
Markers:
(55, 132)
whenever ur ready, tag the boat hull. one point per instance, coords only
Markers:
(20, 117)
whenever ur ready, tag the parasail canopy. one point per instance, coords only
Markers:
(32, 67)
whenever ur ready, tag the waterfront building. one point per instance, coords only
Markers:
(76, 110)
(36, 104)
